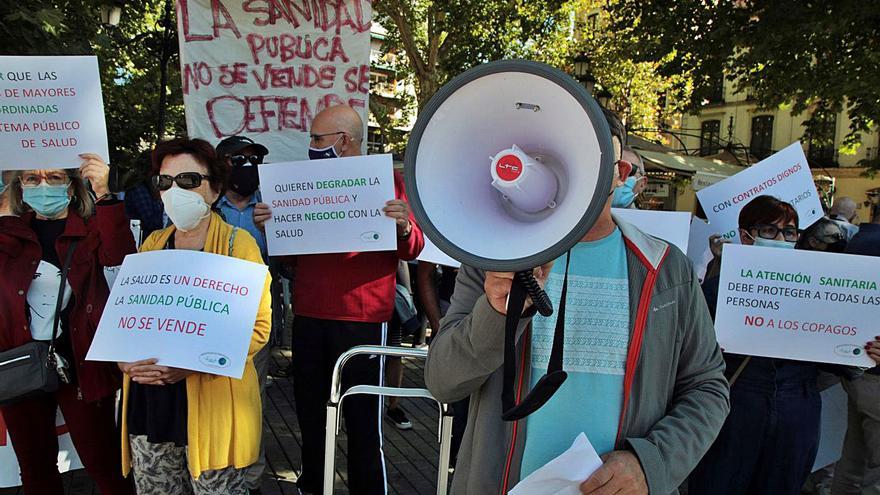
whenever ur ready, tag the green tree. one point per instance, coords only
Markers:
(443, 38)
(130, 57)
(815, 55)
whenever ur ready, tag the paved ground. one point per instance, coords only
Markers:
(411, 456)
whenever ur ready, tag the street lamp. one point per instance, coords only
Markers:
(111, 12)
(582, 72)
(603, 97)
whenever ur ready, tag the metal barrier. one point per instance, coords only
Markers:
(334, 406)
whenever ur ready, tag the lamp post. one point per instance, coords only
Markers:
(582, 72)
(603, 97)
(111, 12)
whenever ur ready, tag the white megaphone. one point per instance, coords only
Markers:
(508, 166)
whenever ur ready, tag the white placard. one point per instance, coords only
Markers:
(803, 305)
(51, 110)
(68, 459)
(188, 309)
(265, 69)
(329, 206)
(698, 246)
(832, 429)
(784, 175)
(702, 180)
(432, 254)
(671, 226)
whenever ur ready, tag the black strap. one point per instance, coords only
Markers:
(515, 303)
(67, 259)
(556, 352)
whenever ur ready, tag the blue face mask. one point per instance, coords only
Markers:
(2, 184)
(48, 201)
(773, 243)
(322, 153)
(624, 195)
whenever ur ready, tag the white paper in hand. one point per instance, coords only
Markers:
(563, 475)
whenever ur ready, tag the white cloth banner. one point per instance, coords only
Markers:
(264, 69)
(329, 206)
(803, 305)
(784, 175)
(188, 309)
(51, 110)
(671, 226)
(68, 459)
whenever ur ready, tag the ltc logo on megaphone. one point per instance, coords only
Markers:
(509, 165)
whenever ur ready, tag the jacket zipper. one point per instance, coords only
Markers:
(15, 360)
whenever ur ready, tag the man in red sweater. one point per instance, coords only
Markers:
(340, 301)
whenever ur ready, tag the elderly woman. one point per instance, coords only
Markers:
(183, 431)
(770, 438)
(48, 217)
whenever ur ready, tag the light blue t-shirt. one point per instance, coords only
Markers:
(244, 219)
(596, 343)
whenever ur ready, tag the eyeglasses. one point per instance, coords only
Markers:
(316, 137)
(53, 179)
(245, 160)
(184, 180)
(768, 231)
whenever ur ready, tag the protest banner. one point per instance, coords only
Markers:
(68, 459)
(264, 69)
(329, 206)
(671, 226)
(802, 305)
(784, 175)
(832, 426)
(432, 254)
(51, 110)
(188, 309)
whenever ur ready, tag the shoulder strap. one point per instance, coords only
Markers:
(67, 259)
(232, 240)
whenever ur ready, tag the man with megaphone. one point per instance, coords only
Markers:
(645, 374)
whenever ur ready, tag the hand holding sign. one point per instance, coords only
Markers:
(399, 211)
(97, 172)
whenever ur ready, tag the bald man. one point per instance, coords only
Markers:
(843, 211)
(340, 301)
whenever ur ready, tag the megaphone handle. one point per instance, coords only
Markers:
(539, 297)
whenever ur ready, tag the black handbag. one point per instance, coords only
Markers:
(32, 369)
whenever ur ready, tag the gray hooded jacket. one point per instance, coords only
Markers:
(675, 393)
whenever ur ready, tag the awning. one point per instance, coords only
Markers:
(687, 164)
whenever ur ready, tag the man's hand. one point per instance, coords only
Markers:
(716, 244)
(620, 475)
(873, 348)
(97, 172)
(399, 211)
(497, 287)
(262, 212)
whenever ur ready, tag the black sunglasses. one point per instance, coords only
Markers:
(243, 160)
(769, 231)
(184, 180)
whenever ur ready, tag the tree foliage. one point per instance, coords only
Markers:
(129, 57)
(813, 54)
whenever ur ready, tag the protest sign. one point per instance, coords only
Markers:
(702, 180)
(698, 246)
(68, 459)
(803, 305)
(264, 69)
(329, 206)
(51, 110)
(432, 254)
(671, 226)
(784, 175)
(832, 426)
(188, 309)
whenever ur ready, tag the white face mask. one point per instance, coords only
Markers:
(185, 208)
(760, 241)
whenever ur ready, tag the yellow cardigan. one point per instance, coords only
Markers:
(224, 418)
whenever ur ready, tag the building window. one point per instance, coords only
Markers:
(375, 141)
(761, 144)
(716, 90)
(820, 139)
(710, 137)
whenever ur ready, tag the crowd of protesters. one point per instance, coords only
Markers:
(662, 403)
